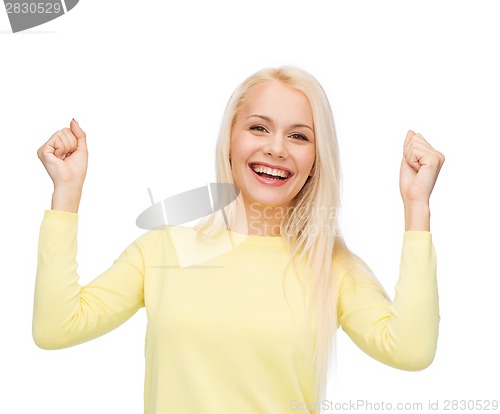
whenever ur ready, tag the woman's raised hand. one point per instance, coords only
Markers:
(65, 158)
(419, 171)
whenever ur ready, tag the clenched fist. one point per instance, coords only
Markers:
(65, 157)
(419, 171)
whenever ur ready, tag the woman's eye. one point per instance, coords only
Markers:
(259, 128)
(300, 136)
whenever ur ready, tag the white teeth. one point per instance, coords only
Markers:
(270, 171)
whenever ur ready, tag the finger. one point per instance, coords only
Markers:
(435, 156)
(79, 133)
(70, 141)
(48, 150)
(419, 139)
(406, 167)
(424, 152)
(409, 156)
(409, 136)
(431, 161)
(55, 145)
(413, 161)
(61, 145)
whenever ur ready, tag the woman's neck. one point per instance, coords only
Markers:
(258, 219)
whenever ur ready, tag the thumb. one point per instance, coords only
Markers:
(406, 168)
(79, 133)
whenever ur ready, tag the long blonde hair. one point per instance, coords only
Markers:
(310, 227)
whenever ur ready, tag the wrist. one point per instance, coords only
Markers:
(417, 217)
(66, 198)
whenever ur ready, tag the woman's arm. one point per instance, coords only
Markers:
(402, 333)
(66, 313)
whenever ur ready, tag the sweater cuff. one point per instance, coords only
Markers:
(417, 235)
(417, 240)
(60, 216)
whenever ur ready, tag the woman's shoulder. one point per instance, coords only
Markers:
(351, 271)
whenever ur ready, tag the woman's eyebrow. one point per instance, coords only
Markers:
(266, 118)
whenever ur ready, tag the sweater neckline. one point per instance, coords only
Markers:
(255, 240)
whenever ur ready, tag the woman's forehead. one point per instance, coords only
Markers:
(277, 101)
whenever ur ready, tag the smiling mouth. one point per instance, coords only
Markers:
(270, 173)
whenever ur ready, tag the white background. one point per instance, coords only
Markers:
(149, 81)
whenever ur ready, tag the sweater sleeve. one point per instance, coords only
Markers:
(402, 333)
(66, 313)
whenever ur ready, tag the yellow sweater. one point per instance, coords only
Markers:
(225, 330)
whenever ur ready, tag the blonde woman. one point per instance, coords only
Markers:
(248, 325)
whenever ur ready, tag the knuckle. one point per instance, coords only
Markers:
(438, 158)
(55, 135)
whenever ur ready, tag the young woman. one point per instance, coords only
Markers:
(243, 309)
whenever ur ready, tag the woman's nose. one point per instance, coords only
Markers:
(275, 146)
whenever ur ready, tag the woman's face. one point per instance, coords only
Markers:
(272, 144)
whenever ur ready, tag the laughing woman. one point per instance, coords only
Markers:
(250, 328)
